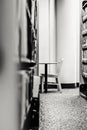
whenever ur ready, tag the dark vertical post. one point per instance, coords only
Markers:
(45, 86)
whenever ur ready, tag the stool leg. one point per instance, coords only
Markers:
(45, 85)
(41, 84)
(59, 84)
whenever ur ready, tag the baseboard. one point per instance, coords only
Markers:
(70, 85)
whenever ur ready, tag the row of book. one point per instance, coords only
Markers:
(32, 31)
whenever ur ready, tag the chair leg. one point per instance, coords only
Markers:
(41, 84)
(59, 84)
(60, 87)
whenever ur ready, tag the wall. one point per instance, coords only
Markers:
(43, 31)
(52, 45)
(46, 32)
(63, 41)
(79, 5)
(68, 24)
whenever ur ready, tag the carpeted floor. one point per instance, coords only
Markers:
(66, 111)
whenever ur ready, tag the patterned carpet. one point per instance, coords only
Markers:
(66, 111)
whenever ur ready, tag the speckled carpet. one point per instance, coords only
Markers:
(66, 111)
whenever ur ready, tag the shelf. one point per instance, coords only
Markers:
(28, 11)
(84, 5)
(26, 64)
(84, 74)
(84, 46)
(84, 32)
(28, 107)
(83, 95)
(85, 18)
(83, 90)
(84, 60)
(83, 51)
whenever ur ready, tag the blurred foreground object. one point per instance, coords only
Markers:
(9, 111)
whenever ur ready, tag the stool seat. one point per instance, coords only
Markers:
(44, 80)
(51, 75)
(54, 85)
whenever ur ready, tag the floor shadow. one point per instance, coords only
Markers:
(32, 120)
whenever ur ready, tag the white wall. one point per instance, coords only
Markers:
(43, 31)
(46, 32)
(52, 45)
(59, 32)
(68, 24)
(79, 5)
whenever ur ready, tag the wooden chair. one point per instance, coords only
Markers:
(56, 76)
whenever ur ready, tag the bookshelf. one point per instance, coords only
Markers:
(28, 56)
(85, 18)
(83, 50)
(84, 32)
(32, 31)
(84, 46)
